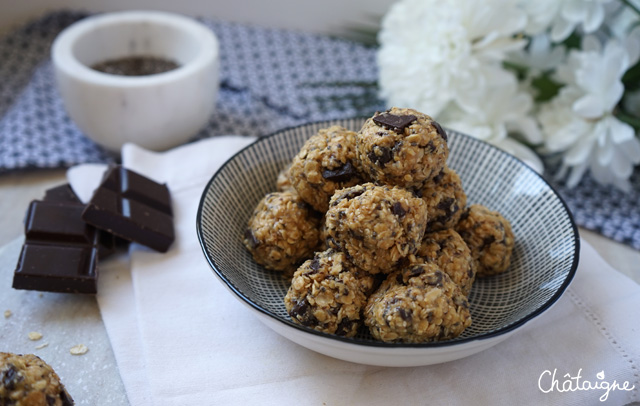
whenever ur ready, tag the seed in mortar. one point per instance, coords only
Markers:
(135, 66)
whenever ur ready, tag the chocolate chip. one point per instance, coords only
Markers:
(440, 131)
(438, 177)
(50, 400)
(416, 271)
(315, 264)
(342, 174)
(11, 377)
(345, 327)
(431, 146)
(393, 122)
(398, 210)
(380, 155)
(405, 315)
(487, 241)
(435, 279)
(351, 194)
(250, 238)
(445, 204)
(356, 236)
(302, 312)
(67, 400)
(465, 214)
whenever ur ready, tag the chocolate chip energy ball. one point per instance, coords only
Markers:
(327, 162)
(282, 232)
(26, 380)
(327, 293)
(445, 200)
(402, 147)
(377, 226)
(450, 253)
(418, 304)
(489, 237)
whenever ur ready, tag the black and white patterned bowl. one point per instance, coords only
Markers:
(544, 259)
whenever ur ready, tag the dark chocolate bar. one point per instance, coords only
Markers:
(132, 207)
(62, 193)
(60, 252)
(107, 242)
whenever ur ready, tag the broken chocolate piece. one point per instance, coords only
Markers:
(398, 210)
(132, 207)
(62, 193)
(60, 253)
(107, 242)
(380, 155)
(342, 174)
(440, 131)
(393, 122)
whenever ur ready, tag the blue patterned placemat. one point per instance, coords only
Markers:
(270, 79)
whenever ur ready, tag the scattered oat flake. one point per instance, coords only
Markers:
(35, 336)
(79, 349)
(41, 346)
(7, 314)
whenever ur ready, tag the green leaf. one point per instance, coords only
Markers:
(627, 118)
(546, 87)
(519, 70)
(631, 78)
(573, 41)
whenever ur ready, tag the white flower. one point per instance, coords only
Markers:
(495, 111)
(430, 50)
(562, 17)
(579, 121)
(539, 56)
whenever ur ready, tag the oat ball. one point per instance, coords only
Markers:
(283, 183)
(327, 293)
(402, 147)
(26, 380)
(327, 162)
(377, 226)
(445, 200)
(282, 232)
(450, 253)
(489, 238)
(417, 304)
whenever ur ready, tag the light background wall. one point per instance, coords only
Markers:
(320, 16)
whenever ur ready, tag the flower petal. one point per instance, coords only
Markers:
(589, 107)
(593, 18)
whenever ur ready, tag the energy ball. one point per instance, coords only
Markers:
(26, 380)
(283, 183)
(282, 232)
(327, 293)
(450, 253)
(417, 304)
(402, 147)
(376, 226)
(445, 200)
(489, 238)
(327, 162)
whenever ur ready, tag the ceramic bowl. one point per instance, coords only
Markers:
(156, 111)
(544, 259)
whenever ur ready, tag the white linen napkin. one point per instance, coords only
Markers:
(180, 337)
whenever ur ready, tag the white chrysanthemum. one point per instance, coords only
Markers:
(561, 17)
(430, 50)
(539, 56)
(499, 109)
(579, 121)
